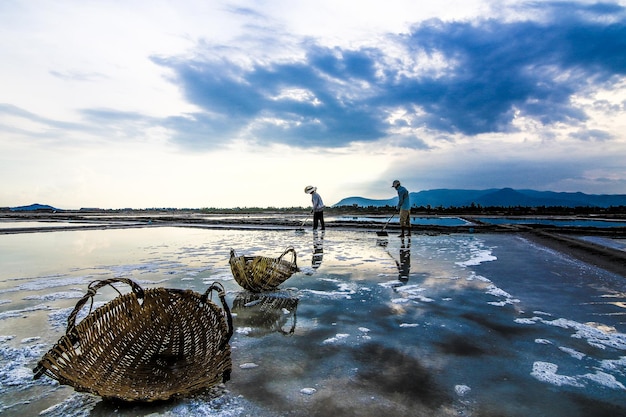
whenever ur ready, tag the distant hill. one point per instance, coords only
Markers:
(35, 207)
(505, 197)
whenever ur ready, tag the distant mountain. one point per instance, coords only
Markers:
(35, 207)
(505, 197)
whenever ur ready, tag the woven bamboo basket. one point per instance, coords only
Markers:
(261, 273)
(266, 313)
(145, 345)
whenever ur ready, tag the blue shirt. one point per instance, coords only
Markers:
(318, 204)
(404, 202)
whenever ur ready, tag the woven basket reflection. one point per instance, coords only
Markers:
(145, 345)
(265, 313)
(261, 273)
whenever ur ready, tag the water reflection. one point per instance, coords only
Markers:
(258, 314)
(403, 260)
(318, 249)
(404, 264)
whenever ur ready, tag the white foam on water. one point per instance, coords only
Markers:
(365, 333)
(542, 341)
(307, 270)
(331, 294)
(16, 363)
(253, 303)
(594, 335)
(605, 379)
(243, 330)
(409, 325)
(391, 284)
(498, 303)
(248, 365)
(222, 276)
(345, 290)
(474, 276)
(572, 352)
(347, 287)
(461, 390)
(76, 405)
(221, 407)
(143, 268)
(478, 254)
(338, 337)
(44, 283)
(80, 405)
(614, 364)
(58, 317)
(22, 312)
(546, 372)
(498, 292)
(63, 295)
(30, 339)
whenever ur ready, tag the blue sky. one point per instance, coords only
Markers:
(243, 103)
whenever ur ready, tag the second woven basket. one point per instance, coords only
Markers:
(261, 273)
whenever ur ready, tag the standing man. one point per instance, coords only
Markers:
(404, 205)
(318, 206)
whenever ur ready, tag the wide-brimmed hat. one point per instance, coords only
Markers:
(395, 183)
(309, 189)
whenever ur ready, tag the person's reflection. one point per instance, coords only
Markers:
(404, 265)
(318, 249)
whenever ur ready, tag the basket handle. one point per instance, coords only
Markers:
(216, 286)
(93, 287)
(288, 250)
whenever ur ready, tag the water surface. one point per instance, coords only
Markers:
(442, 325)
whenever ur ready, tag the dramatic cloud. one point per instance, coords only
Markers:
(490, 72)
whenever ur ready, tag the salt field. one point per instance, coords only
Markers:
(436, 325)
(415, 220)
(551, 221)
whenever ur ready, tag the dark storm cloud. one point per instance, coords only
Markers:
(335, 96)
(531, 67)
(331, 113)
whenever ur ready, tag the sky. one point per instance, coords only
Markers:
(196, 103)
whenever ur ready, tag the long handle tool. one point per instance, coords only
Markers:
(301, 228)
(383, 232)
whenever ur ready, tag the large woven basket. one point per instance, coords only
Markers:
(261, 273)
(265, 313)
(145, 345)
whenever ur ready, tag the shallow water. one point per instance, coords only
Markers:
(572, 222)
(444, 325)
(416, 220)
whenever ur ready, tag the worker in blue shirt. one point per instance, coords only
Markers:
(404, 206)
